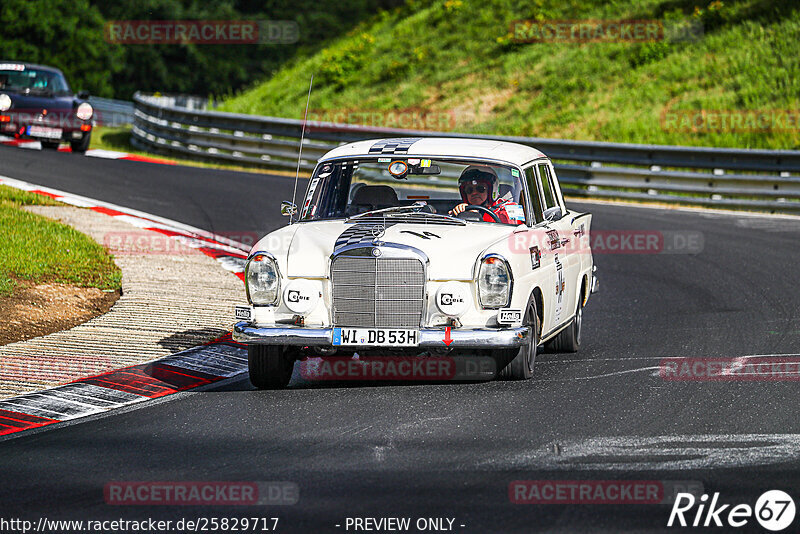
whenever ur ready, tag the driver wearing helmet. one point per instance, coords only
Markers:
(478, 186)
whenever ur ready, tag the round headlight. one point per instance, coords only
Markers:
(85, 111)
(262, 280)
(5, 102)
(494, 282)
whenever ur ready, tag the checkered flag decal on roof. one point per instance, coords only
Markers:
(393, 146)
(359, 233)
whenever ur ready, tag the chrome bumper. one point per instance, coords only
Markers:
(486, 338)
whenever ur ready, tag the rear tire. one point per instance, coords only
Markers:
(81, 146)
(569, 339)
(523, 359)
(50, 145)
(270, 366)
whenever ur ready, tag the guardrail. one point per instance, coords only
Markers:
(763, 180)
(112, 112)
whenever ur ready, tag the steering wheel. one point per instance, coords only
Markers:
(487, 211)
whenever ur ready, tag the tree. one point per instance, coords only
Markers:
(66, 34)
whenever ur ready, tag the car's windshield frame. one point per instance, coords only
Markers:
(52, 74)
(373, 158)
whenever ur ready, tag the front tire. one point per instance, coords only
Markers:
(522, 360)
(81, 146)
(270, 366)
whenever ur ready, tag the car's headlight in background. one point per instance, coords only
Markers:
(262, 280)
(494, 282)
(5, 102)
(85, 111)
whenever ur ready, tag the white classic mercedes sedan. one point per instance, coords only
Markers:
(420, 247)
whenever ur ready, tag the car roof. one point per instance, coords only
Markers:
(439, 146)
(30, 65)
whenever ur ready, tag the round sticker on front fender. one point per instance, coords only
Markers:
(301, 296)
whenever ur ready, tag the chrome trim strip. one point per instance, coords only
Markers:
(558, 328)
(486, 338)
(388, 250)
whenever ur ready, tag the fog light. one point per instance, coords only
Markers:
(301, 296)
(453, 298)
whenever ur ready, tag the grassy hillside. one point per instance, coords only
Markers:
(458, 59)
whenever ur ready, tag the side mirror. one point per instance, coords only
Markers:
(83, 95)
(552, 214)
(288, 209)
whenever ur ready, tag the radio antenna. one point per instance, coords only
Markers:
(300, 151)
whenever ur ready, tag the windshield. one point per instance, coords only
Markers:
(476, 191)
(24, 80)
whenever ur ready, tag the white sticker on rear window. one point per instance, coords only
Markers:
(11, 66)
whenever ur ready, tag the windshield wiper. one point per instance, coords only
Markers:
(436, 216)
(399, 211)
(40, 91)
(416, 206)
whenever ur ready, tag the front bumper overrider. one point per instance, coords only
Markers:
(304, 336)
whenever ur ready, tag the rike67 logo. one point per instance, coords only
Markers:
(774, 510)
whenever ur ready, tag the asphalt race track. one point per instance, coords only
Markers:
(451, 450)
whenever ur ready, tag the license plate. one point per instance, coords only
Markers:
(44, 131)
(376, 337)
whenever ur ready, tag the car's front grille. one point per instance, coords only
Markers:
(377, 292)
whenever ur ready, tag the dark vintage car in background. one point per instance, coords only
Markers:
(37, 103)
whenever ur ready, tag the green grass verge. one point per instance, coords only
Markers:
(37, 249)
(458, 57)
(113, 138)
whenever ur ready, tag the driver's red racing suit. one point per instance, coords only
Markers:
(508, 211)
